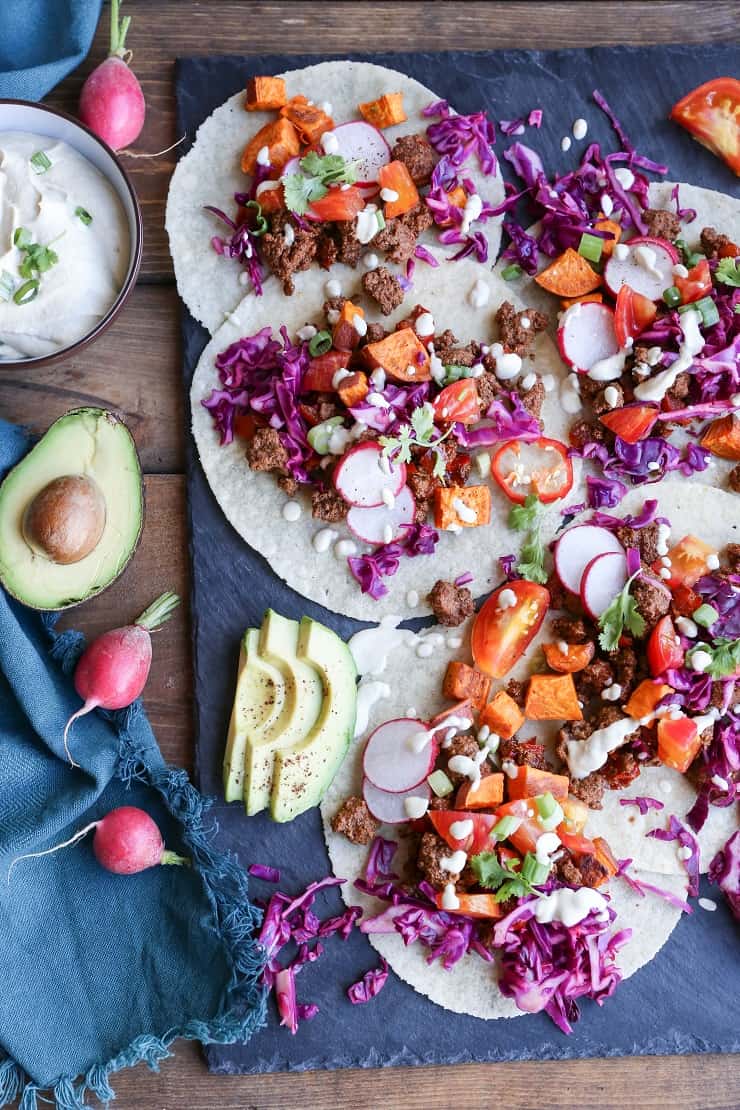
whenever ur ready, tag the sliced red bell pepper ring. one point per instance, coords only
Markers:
(540, 466)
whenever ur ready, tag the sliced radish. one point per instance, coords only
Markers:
(648, 271)
(363, 474)
(390, 808)
(577, 547)
(392, 761)
(363, 144)
(383, 523)
(586, 335)
(603, 579)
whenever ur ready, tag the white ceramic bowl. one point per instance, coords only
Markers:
(38, 119)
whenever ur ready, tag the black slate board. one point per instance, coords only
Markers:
(667, 1007)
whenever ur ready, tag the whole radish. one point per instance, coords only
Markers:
(127, 840)
(113, 670)
(111, 102)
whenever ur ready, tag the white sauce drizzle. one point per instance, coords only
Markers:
(693, 342)
(368, 693)
(569, 906)
(291, 511)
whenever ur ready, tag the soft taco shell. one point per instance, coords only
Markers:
(210, 174)
(253, 502)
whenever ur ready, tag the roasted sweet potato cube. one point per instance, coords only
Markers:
(462, 682)
(281, 139)
(461, 507)
(386, 111)
(502, 715)
(309, 121)
(485, 794)
(346, 334)
(569, 275)
(645, 697)
(552, 697)
(722, 437)
(530, 781)
(265, 93)
(354, 389)
(402, 355)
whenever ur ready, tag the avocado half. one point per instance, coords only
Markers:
(71, 511)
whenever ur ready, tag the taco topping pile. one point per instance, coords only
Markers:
(324, 193)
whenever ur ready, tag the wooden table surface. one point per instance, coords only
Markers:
(135, 367)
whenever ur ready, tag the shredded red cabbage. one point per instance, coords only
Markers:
(647, 461)
(512, 422)
(534, 119)
(642, 888)
(688, 215)
(460, 136)
(371, 984)
(463, 579)
(643, 803)
(604, 493)
(644, 517)
(719, 761)
(370, 570)
(724, 596)
(677, 831)
(262, 871)
(724, 870)
(242, 246)
(511, 126)
(424, 255)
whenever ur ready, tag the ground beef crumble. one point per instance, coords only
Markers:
(524, 753)
(326, 504)
(384, 288)
(450, 604)
(417, 155)
(265, 451)
(712, 242)
(662, 224)
(512, 334)
(432, 849)
(355, 821)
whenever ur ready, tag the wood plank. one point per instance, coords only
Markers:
(161, 563)
(134, 367)
(160, 33)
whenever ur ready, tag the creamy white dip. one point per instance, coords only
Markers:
(79, 289)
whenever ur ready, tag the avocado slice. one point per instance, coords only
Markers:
(304, 772)
(260, 694)
(80, 489)
(278, 643)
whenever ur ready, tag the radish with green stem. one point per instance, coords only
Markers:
(113, 670)
(127, 840)
(111, 102)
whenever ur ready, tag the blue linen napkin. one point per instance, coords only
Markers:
(101, 971)
(41, 41)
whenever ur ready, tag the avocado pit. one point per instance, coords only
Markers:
(66, 519)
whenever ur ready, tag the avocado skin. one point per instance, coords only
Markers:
(63, 594)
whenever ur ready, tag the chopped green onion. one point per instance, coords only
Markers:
(705, 615)
(440, 784)
(320, 434)
(7, 285)
(83, 214)
(483, 463)
(454, 373)
(737, 309)
(682, 246)
(590, 247)
(381, 220)
(260, 223)
(693, 259)
(550, 811)
(509, 273)
(505, 827)
(40, 162)
(709, 312)
(27, 292)
(320, 344)
(21, 237)
(672, 297)
(533, 871)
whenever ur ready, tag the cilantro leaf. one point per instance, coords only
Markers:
(725, 657)
(522, 517)
(728, 272)
(506, 882)
(419, 433)
(317, 172)
(620, 615)
(532, 564)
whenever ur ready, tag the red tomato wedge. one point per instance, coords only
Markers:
(664, 649)
(321, 370)
(632, 422)
(525, 836)
(576, 843)
(685, 600)
(474, 841)
(338, 204)
(633, 313)
(679, 742)
(474, 905)
(688, 561)
(698, 283)
(502, 633)
(458, 403)
(711, 114)
(541, 466)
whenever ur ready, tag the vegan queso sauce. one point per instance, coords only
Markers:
(64, 245)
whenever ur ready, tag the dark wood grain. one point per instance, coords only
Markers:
(136, 368)
(165, 29)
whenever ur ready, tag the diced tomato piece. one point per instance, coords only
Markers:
(688, 561)
(474, 905)
(501, 634)
(529, 782)
(458, 403)
(271, 200)
(729, 250)
(575, 659)
(245, 425)
(679, 742)
(507, 855)
(395, 178)
(633, 313)
(338, 204)
(544, 463)
(685, 601)
(525, 837)
(664, 649)
(632, 422)
(697, 284)
(576, 843)
(477, 840)
(710, 113)
(575, 814)
(321, 370)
